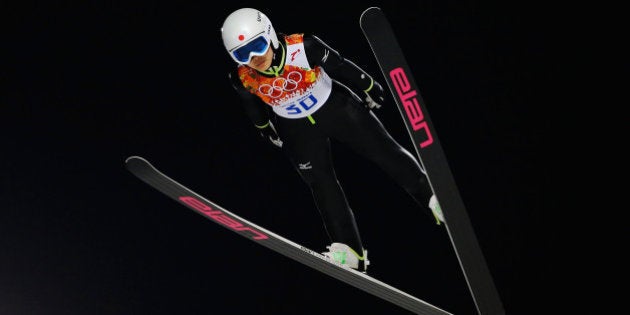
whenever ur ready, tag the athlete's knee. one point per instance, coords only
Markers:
(316, 177)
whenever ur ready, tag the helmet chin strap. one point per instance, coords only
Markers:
(276, 65)
(275, 51)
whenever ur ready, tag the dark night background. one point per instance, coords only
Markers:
(87, 85)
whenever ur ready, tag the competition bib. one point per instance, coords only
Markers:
(298, 91)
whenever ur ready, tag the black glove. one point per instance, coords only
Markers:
(269, 132)
(375, 96)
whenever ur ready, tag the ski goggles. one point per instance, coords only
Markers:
(256, 47)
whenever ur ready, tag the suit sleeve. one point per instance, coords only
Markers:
(339, 68)
(255, 108)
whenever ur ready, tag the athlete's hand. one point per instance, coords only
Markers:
(375, 96)
(269, 132)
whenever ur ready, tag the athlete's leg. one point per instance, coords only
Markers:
(309, 151)
(360, 129)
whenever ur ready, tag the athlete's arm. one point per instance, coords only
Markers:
(255, 108)
(343, 70)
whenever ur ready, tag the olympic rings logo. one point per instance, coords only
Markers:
(281, 85)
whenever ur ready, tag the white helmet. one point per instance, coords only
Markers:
(247, 32)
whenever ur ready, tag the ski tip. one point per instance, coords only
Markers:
(135, 158)
(367, 11)
(135, 163)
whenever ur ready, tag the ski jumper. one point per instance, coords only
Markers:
(314, 95)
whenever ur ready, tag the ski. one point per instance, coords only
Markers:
(141, 168)
(382, 40)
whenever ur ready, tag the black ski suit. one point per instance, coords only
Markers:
(343, 117)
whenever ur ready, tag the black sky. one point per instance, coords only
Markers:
(89, 84)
